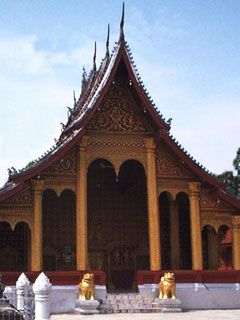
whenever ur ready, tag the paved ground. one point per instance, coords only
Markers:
(193, 315)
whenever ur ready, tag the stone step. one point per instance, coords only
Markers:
(128, 303)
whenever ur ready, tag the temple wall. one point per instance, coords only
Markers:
(172, 177)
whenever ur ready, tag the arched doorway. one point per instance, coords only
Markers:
(164, 219)
(210, 248)
(117, 221)
(15, 247)
(59, 230)
(225, 247)
(184, 231)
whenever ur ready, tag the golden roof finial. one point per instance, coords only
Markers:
(94, 57)
(121, 37)
(107, 42)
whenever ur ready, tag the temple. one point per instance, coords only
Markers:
(117, 193)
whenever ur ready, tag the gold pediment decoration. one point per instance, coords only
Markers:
(67, 165)
(167, 167)
(119, 112)
(23, 197)
(208, 202)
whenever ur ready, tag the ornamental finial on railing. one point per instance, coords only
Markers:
(23, 286)
(22, 281)
(42, 285)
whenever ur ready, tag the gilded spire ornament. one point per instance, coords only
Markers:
(107, 42)
(84, 79)
(74, 98)
(94, 57)
(121, 37)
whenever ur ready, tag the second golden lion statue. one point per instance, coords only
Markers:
(167, 286)
(86, 287)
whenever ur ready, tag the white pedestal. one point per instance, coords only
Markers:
(87, 306)
(169, 305)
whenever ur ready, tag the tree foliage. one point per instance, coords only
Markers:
(231, 179)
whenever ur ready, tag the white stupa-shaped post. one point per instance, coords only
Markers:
(22, 286)
(42, 289)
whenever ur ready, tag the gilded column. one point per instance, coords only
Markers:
(236, 242)
(174, 225)
(81, 227)
(36, 243)
(196, 235)
(153, 215)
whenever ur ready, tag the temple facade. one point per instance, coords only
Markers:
(117, 192)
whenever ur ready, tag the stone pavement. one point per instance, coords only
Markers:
(193, 315)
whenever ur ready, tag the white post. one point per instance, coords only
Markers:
(42, 289)
(22, 286)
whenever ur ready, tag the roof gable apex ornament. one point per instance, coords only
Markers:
(94, 57)
(107, 42)
(84, 79)
(121, 35)
(74, 98)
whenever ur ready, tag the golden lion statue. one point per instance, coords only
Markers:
(86, 287)
(167, 286)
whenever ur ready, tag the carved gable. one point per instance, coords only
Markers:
(119, 112)
(169, 167)
(67, 165)
(23, 197)
(210, 201)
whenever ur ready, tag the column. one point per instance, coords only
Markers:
(196, 236)
(236, 242)
(81, 228)
(174, 227)
(36, 241)
(153, 215)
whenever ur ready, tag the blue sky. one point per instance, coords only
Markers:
(187, 53)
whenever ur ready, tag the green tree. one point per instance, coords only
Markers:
(231, 179)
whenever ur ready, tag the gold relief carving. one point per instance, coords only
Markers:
(212, 202)
(194, 188)
(211, 214)
(134, 145)
(60, 181)
(37, 185)
(119, 112)
(83, 143)
(167, 167)
(23, 197)
(67, 165)
(19, 210)
(150, 144)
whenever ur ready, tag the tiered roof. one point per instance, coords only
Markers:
(94, 88)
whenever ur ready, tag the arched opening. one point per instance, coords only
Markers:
(117, 221)
(165, 229)
(225, 247)
(185, 256)
(59, 214)
(209, 248)
(15, 247)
